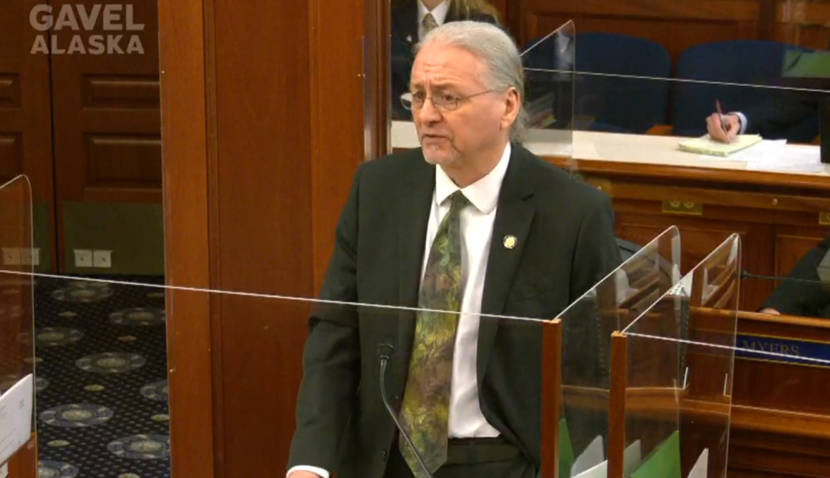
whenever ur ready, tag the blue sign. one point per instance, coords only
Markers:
(774, 349)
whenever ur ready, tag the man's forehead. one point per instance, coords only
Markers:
(438, 60)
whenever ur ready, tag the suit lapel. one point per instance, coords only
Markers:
(414, 204)
(513, 218)
(405, 22)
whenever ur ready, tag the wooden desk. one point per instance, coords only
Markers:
(780, 412)
(779, 215)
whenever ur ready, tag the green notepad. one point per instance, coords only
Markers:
(663, 462)
(705, 145)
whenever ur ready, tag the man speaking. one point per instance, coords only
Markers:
(471, 223)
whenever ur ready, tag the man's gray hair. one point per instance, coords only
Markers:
(496, 49)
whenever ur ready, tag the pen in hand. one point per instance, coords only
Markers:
(722, 119)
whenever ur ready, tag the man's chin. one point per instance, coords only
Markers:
(437, 159)
(434, 154)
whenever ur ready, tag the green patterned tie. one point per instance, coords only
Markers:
(425, 409)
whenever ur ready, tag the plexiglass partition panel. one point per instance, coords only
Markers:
(549, 86)
(105, 391)
(679, 362)
(17, 365)
(587, 326)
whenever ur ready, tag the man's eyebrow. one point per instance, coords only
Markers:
(435, 85)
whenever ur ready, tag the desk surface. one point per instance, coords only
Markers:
(595, 150)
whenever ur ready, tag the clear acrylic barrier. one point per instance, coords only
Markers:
(549, 87)
(103, 382)
(104, 390)
(587, 327)
(678, 361)
(16, 314)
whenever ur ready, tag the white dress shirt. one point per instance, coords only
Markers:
(476, 224)
(439, 13)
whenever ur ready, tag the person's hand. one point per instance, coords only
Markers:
(770, 311)
(303, 474)
(725, 131)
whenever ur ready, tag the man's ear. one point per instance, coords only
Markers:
(512, 105)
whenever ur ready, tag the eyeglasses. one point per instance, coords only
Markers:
(443, 102)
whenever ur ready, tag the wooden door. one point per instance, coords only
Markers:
(25, 123)
(105, 90)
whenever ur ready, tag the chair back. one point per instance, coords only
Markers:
(756, 62)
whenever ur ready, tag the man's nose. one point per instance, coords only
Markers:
(428, 111)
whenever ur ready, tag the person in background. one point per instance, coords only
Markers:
(411, 21)
(468, 225)
(795, 119)
(786, 114)
(802, 298)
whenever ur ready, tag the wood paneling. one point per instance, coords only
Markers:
(277, 134)
(121, 161)
(185, 185)
(764, 208)
(105, 91)
(675, 25)
(11, 155)
(803, 23)
(106, 95)
(789, 248)
(679, 25)
(9, 90)
(780, 418)
(25, 119)
(23, 464)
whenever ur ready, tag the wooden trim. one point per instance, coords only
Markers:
(551, 396)
(786, 326)
(185, 199)
(23, 463)
(616, 409)
(708, 175)
(335, 131)
(785, 422)
(378, 110)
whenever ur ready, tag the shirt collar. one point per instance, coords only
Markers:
(484, 193)
(439, 13)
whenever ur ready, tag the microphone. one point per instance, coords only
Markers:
(384, 354)
(749, 275)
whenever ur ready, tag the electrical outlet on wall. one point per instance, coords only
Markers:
(102, 258)
(11, 256)
(83, 257)
(30, 257)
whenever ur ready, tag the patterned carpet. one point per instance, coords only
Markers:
(101, 380)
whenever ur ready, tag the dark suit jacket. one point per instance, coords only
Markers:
(809, 300)
(404, 30)
(565, 244)
(786, 116)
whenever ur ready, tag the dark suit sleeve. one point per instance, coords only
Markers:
(596, 253)
(331, 359)
(785, 117)
(802, 299)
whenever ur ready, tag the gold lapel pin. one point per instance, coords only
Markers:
(510, 241)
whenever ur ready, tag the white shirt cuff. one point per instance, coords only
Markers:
(742, 117)
(323, 473)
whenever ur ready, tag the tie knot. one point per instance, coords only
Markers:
(458, 201)
(429, 23)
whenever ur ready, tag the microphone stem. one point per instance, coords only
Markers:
(750, 275)
(383, 362)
